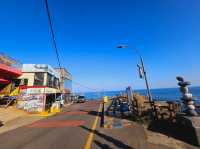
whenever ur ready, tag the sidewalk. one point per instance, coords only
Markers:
(123, 133)
(10, 113)
(13, 118)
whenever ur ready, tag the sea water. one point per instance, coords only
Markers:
(158, 94)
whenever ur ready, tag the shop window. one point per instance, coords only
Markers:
(39, 79)
(56, 83)
(50, 80)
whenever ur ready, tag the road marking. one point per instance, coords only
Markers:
(56, 124)
(91, 135)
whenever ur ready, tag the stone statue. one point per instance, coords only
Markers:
(187, 97)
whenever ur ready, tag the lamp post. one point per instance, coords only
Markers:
(143, 74)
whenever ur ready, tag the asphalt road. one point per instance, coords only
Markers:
(66, 130)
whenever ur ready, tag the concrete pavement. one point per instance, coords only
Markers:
(10, 113)
(56, 132)
(13, 118)
(77, 127)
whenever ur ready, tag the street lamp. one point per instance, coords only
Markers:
(142, 73)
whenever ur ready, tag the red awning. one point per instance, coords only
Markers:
(9, 72)
(4, 81)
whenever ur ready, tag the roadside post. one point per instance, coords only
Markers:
(105, 100)
(121, 107)
(102, 116)
(115, 106)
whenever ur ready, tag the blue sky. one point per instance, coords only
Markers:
(167, 33)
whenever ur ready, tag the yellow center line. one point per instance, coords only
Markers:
(91, 135)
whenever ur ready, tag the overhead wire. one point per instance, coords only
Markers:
(55, 45)
(52, 33)
(74, 82)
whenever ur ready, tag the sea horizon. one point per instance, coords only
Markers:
(157, 93)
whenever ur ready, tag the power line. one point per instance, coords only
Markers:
(74, 82)
(55, 45)
(52, 33)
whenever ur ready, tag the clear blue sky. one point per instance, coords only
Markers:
(87, 32)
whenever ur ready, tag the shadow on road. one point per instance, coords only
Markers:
(101, 145)
(94, 113)
(1, 123)
(116, 142)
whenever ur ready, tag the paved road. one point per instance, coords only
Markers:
(66, 130)
(77, 127)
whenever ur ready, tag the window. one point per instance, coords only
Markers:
(56, 83)
(39, 79)
(16, 82)
(24, 82)
(52, 81)
(49, 80)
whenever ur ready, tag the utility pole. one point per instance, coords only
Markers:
(143, 75)
(147, 86)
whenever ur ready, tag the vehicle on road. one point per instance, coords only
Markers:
(81, 99)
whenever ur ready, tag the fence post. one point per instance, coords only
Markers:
(102, 116)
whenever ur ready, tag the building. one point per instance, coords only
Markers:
(40, 76)
(41, 86)
(33, 87)
(10, 70)
(65, 84)
(65, 80)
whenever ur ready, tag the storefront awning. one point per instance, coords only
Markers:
(4, 81)
(9, 72)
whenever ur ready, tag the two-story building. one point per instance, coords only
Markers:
(41, 85)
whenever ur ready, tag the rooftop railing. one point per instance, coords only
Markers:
(9, 61)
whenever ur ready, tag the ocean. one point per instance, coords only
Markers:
(169, 94)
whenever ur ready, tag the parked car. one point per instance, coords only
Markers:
(81, 99)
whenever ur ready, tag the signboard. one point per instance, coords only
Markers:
(42, 90)
(32, 103)
(40, 68)
(33, 99)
